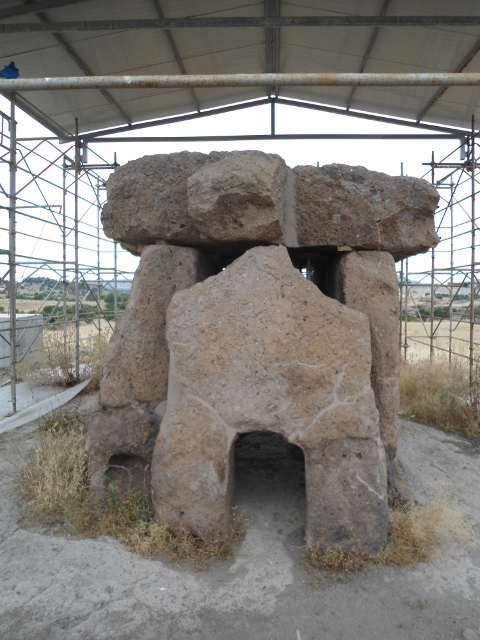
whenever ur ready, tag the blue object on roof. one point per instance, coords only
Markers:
(10, 71)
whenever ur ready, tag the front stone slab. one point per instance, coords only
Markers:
(259, 348)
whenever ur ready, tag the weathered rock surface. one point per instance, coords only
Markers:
(147, 199)
(252, 197)
(135, 371)
(367, 281)
(259, 348)
(136, 363)
(239, 196)
(195, 199)
(130, 431)
(338, 205)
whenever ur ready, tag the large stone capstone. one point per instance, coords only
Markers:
(259, 348)
(222, 199)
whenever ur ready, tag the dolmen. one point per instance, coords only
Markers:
(223, 334)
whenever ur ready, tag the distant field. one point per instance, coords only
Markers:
(419, 340)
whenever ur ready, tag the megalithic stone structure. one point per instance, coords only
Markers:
(256, 347)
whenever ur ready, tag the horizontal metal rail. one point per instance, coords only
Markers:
(245, 80)
(283, 136)
(236, 22)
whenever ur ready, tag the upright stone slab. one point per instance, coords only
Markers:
(135, 372)
(367, 281)
(259, 348)
(338, 205)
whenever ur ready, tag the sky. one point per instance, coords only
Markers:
(378, 155)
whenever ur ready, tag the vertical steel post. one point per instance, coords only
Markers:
(400, 329)
(12, 250)
(432, 285)
(115, 279)
(99, 284)
(401, 306)
(450, 328)
(64, 254)
(272, 118)
(77, 270)
(472, 262)
(405, 332)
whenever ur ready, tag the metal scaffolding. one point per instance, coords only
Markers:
(440, 300)
(55, 195)
(54, 198)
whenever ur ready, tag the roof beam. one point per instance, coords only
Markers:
(463, 64)
(183, 118)
(370, 116)
(175, 52)
(38, 115)
(238, 22)
(81, 64)
(42, 5)
(368, 51)
(287, 136)
(272, 42)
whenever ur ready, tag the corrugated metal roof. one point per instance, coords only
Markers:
(232, 50)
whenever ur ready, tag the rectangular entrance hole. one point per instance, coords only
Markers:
(270, 484)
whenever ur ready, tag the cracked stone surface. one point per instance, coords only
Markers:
(367, 281)
(260, 348)
(56, 587)
(224, 198)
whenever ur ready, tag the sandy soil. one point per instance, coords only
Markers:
(55, 587)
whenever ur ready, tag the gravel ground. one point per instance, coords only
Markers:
(57, 587)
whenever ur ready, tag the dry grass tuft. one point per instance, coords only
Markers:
(55, 486)
(58, 366)
(416, 534)
(440, 396)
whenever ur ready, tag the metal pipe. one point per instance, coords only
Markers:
(450, 325)
(261, 22)
(405, 333)
(472, 264)
(115, 281)
(286, 136)
(77, 283)
(244, 80)
(64, 255)
(99, 284)
(432, 284)
(12, 253)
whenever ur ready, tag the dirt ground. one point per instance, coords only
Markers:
(56, 587)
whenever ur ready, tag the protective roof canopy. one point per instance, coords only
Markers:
(216, 50)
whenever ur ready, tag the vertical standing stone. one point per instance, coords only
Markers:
(135, 372)
(367, 281)
(259, 348)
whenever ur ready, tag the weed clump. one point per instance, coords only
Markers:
(55, 486)
(440, 396)
(58, 364)
(415, 534)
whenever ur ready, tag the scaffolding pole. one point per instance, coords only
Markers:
(12, 253)
(472, 262)
(77, 270)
